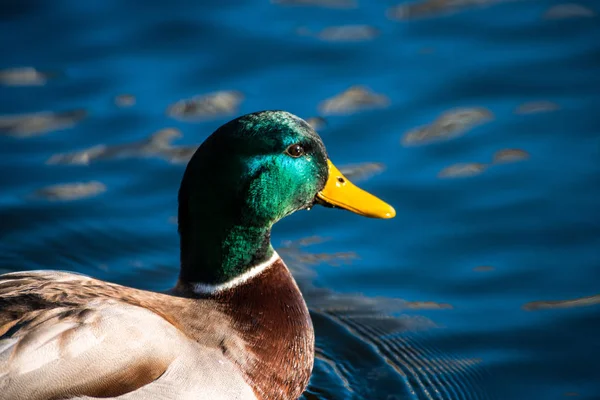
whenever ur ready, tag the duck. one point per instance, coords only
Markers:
(234, 326)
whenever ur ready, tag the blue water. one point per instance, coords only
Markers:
(533, 224)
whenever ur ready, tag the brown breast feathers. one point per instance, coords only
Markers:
(271, 316)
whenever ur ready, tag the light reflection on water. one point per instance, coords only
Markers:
(482, 287)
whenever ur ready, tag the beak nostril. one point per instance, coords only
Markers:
(340, 179)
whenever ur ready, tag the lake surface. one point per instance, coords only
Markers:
(477, 119)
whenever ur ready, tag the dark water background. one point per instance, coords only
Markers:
(485, 285)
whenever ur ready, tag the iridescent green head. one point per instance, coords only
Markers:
(247, 175)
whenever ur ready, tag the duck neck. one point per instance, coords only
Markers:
(215, 251)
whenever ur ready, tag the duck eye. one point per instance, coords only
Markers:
(295, 150)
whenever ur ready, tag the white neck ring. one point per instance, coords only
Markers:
(204, 288)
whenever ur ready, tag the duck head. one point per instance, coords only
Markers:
(247, 175)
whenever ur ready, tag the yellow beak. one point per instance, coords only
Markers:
(340, 192)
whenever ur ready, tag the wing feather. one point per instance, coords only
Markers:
(68, 336)
(103, 347)
(107, 349)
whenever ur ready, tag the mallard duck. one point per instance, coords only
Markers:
(235, 326)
